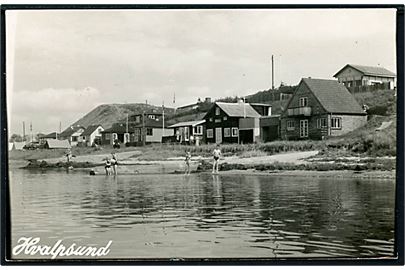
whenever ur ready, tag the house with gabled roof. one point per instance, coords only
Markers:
(232, 123)
(92, 134)
(72, 134)
(320, 108)
(357, 75)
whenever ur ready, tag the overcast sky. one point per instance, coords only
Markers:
(62, 64)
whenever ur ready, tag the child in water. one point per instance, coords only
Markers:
(187, 161)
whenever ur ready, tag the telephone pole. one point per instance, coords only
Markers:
(272, 72)
(23, 138)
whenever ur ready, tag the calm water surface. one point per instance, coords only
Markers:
(173, 216)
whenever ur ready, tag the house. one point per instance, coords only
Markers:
(193, 106)
(57, 144)
(189, 132)
(320, 108)
(232, 123)
(120, 132)
(356, 75)
(52, 135)
(72, 134)
(151, 131)
(92, 134)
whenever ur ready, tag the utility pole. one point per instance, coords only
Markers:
(143, 133)
(163, 119)
(272, 72)
(23, 131)
(32, 136)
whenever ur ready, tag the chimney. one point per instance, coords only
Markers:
(208, 99)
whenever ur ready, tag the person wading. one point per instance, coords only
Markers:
(217, 154)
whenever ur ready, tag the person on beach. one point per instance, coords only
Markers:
(217, 154)
(114, 163)
(107, 166)
(187, 161)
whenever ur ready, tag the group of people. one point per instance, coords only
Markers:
(216, 155)
(111, 165)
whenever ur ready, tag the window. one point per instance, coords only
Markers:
(210, 133)
(227, 132)
(107, 136)
(321, 123)
(115, 136)
(290, 125)
(235, 132)
(217, 111)
(303, 102)
(210, 119)
(74, 138)
(138, 119)
(186, 134)
(151, 116)
(225, 118)
(149, 132)
(336, 123)
(217, 120)
(198, 130)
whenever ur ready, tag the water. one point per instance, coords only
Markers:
(205, 216)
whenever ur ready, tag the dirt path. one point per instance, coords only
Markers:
(291, 157)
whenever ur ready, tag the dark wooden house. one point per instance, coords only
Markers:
(232, 123)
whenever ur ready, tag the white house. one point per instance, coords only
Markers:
(91, 134)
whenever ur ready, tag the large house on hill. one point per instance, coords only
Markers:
(232, 123)
(356, 76)
(320, 108)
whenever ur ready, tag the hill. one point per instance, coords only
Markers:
(107, 114)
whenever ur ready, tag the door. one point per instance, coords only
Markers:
(303, 128)
(218, 135)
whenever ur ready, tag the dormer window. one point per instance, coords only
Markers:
(303, 102)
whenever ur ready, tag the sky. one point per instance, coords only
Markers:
(61, 64)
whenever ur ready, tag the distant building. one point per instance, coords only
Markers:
(193, 106)
(232, 123)
(321, 108)
(52, 135)
(356, 75)
(92, 134)
(190, 132)
(72, 134)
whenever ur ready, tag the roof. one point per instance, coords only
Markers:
(238, 109)
(188, 123)
(90, 129)
(260, 104)
(368, 70)
(333, 96)
(52, 143)
(70, 130)
(51, 135)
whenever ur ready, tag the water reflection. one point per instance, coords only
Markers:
(207, 215)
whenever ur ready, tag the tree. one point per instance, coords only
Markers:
(16, 138)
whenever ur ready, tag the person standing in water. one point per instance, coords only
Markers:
(107, 166)
(187, 161)
(114, 163)
(217, 154)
